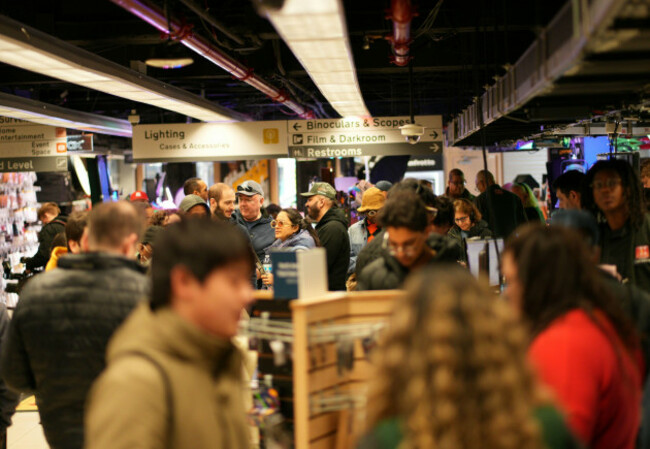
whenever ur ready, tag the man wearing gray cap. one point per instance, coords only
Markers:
(251, 199)
(332, 229)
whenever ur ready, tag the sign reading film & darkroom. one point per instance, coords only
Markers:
(25, 146)
(375, 136)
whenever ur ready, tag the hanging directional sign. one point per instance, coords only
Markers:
(28, 147)
(376, 136)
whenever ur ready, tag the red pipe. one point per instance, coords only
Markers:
(183, 32)
(401, 13)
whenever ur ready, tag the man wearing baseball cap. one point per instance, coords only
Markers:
(365, 230)
(139, 196)
(332, 229)
(251, 198)
(194, 206)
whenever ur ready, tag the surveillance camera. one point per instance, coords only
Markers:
(412, 132)
(133, 118)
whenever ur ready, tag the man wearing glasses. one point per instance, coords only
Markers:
(456, 186)
(332, 229)
(251, 198)
(406, 243)
(366, 229)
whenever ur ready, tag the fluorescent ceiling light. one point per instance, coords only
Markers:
(315, 32)
(33, 50)
(48, 114)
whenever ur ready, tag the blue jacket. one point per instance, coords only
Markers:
(299, 241)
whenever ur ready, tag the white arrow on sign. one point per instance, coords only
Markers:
(435, 147)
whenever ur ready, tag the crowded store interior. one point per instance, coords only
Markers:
(325, 224)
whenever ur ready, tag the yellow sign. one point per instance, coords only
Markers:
(271, 136)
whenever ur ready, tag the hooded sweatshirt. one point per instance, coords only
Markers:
(332, 232)
(132, 405)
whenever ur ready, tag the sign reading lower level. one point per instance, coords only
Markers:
(37, 164)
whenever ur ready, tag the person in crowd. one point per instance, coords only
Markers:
(194, 206)
(365, 230)
(583, 346)
(145, 245)
(251, 198)
(196, 186)
(146, 210)
(538, 193)
(502, 210)
(172, 367)
(174, 217)
(222, 201)
(332, 229)
(456, 186)
(293, 233)
(75, 229)
(65, 317)
(451, 371)
(440, 216)
(139, 197)
(273, 210)
(405, 245)
(59, 248)
(53, 223)
(384, 186)
(159, 218)
(612, 192)
(531, 207)
(469, 224)
(8, 398)
(568, 189)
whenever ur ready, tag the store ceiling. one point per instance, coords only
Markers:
(468, 44)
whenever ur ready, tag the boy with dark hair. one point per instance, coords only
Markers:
(172, 367)
(406, 244)
(568, 188)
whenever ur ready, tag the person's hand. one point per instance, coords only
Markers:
(267, 279)
(611, 269)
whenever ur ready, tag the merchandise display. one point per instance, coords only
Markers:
(18, 230)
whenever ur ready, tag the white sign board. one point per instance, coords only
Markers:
(209, 141)
(324, 138)
(28, 147)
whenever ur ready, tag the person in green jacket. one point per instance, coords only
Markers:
(451, 371)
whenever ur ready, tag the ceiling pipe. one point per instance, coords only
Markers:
(401, 13)
(182, 32)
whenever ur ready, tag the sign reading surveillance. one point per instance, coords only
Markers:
(376, 136)
(25, 146)
(323, 138)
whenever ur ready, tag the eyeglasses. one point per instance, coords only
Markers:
(279, 224)
(461, 219)
(408, 249)
(610, 184)
(371, 213)
(246, 188)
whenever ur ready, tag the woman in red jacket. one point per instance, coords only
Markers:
(583, 347)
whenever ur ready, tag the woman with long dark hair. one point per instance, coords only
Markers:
(613, 193)
(292, 233)
(451, 372)
(583, 347)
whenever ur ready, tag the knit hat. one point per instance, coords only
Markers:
(321, 188)
(192, 200)
(373, 199)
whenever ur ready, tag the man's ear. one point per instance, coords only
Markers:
(84, 241)
(213, 205)
(129, 245)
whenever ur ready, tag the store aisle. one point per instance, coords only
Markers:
(26, 432)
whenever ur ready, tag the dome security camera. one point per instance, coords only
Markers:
(412, 132)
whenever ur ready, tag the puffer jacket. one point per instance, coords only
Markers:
(386, 273)
(59, 332)
(200, 406)
(45, 237)
(300, 241)
(332, 232)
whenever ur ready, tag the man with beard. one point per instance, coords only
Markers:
(332, 229)
(222, 201)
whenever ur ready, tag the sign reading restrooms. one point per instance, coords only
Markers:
(322, 138)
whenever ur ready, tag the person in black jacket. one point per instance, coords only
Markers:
(407, 244)
(53, 223)
(332, 229)
(8, 398)
(65, 317)
(502, 210)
